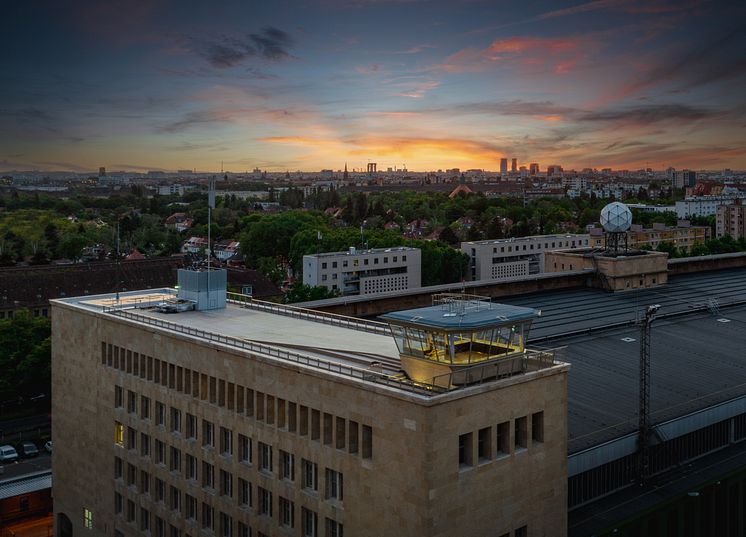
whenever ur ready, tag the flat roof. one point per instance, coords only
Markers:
(462, 315)
(360, 251)
(697, 350)
(529, 238)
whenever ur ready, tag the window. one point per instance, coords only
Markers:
(119, 434)
(226, 525)
(484, 444)
(340, 434)
(160, 527)
(367, 442)
(190, 469)
(287, 513)
(160, 452)
(465, 450)
(190, 507)
(175, 462)
(287, 466)
(243, 530)
(131, 438)
(323, 265)
(521, 532)
(131, 402)
(503, 438)
(352, 432)
(160, 490)
(175, 420)
(226, 441)
(160, 413)
(521, 440)
(265, 502)
(118, 397)
(333, 485)
(131, 474)
(244, 449)
(144, 482)
(244, 493)
(208, 475)
(191, 426)
(333, 528)
(87, 519)
(144, 519)
(208, 517)
(265, 457)
(309, 522)
(175, 497)
(537, 427)
(118, 468)
(117, 503)
(145, 408)
(226, 484)
(208, 434)
(310, 475)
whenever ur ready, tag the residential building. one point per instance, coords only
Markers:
(705, 205)
(364, 272)
(224, 250)
(685, 178)
(731, 220)
(498, 259)
(194, 245)
(249, 420)
(683, 235)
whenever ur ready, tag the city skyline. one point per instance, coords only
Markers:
(422, 84)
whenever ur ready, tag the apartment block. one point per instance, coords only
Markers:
(498, 259)
(731, 220)
(364, 272)
(683, 235)
(252, 420)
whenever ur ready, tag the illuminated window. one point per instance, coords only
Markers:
(87, 519)
(119, 434)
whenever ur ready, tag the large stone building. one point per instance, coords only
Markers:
(364, 272)
(497, 259)
(259, 419)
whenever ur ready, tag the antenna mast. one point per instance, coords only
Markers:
(118, 265)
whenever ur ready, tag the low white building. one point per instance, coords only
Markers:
(498, 259)
(364, 272)
(704, 205)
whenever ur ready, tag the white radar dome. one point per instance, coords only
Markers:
(616, 217)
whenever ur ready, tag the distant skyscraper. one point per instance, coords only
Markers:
(102, 172)
(514, 165)
(503, 165)
(534, 168)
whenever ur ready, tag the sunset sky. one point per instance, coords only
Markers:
(305, 85)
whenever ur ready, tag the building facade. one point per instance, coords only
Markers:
(683, 235)
(508, 258)
(731, 220)
(186, 424)
(704, 205)
(364, 272)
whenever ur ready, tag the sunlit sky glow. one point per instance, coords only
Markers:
(305, 85)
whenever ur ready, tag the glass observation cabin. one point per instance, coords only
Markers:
(458, 332)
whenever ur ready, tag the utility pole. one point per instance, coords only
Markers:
(644, 426)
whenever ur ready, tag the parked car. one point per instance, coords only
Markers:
(8, 454)
(28, 450)
(48, 446)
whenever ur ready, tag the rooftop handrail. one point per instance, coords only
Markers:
(275, 352)
(352, 323)
(529, 360)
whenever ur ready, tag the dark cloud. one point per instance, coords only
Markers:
(270, 44)
(517, 108)
(193, 119)
(654, 113)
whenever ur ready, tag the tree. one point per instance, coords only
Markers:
(304, 293)
(25, 357)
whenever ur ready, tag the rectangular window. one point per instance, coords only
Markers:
(119, 434)
(118, 503)
(260, 406)
(521, 432)
(333, 485)
(175, 462)
(213, 390)
(465, 450)
(191, 426)
(287, 465)
(367, 442)
(310, 474)
(281, 413)
(160, 413)
(244, 449)
(503, 438)
(131, 402)
(315, 424)
(87, 519)
(175, 420)
(249, 402)
(265, 502)
(243, 530)
(144, 445)
(287, 513)
(160, 490)
(537, 427)
(303, 430)
(484, 444)
(131, 474)
(352, 432)
(340, 433)
(190, 507)
(240, 395)
(521, 532)
(175, 498)
(208, 475)
(190, 468)
(309, 522)
(292, 416)
(208, 434)
(328, 420)
(131, 511)
(160, 452)
(265, 457)
(333, 528)
(270, 409)
(131, 438)
(145, 407)
(244, 493)
(221, 393)
(208, 517)
(226, 441)
(226, 525)
(144, 482)
(144, 519)
(226, 484)
(118, 397)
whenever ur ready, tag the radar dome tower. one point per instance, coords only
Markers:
(616, 219)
